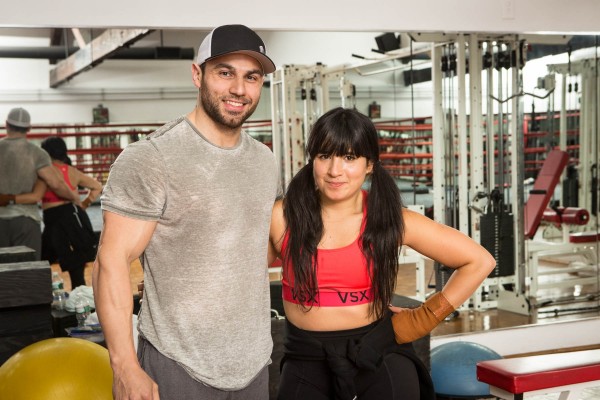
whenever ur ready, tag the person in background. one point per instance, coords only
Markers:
(68, 236)
(21, 164)
(193, 202)
(339, 247)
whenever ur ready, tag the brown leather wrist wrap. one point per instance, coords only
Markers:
(439, 305)
(412, 324)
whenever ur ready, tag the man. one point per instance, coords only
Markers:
(22, 163)
(193, 201)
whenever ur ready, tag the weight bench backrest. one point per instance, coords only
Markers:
(543, 189)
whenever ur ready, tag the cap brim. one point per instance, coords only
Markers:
(266, 63)
(19, 124)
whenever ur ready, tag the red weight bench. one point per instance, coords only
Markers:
(543, 189)
(584, 237)
(522, 377)
(566, 215)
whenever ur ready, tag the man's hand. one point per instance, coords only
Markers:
(134, 384)
(86, 203)
(6, 199)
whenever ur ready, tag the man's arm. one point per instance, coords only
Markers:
(39, 188)
(57, 184)
(25, 198)
(122, 241)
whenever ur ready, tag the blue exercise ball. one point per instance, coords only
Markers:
(454, 369)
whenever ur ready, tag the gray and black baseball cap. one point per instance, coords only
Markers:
(19, 117)
(228, 39)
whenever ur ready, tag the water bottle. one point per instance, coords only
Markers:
(58, 292)
(82, 309)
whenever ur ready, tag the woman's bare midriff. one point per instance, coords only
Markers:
(46, 206)
(328, 318)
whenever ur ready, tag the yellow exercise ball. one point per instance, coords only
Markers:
(57, 369)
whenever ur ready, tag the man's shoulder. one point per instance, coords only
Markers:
(155, 142)
(35, 149)
(257, 145)
(167, 128)
(6, 141)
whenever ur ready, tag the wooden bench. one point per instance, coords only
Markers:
(522, 377)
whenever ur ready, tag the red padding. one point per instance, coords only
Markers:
(277, 263)
(543, 188)
(575, 216)
(584, 237)
(551, 216)
(526, 374)
(569, 216)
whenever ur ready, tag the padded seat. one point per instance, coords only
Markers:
(584, 237)
(534, 373)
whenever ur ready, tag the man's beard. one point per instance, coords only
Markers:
(211, 107)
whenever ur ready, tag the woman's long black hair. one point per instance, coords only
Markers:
(339, 132)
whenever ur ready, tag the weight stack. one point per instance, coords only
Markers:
(497, 237)
(25, 305)
(442, 275)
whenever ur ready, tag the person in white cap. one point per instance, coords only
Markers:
(22, 163)
(193, 201)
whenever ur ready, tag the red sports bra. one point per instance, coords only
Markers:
(342, 275)
(50, 196)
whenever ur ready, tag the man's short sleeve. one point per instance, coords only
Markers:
(136, 185)
(42, 159)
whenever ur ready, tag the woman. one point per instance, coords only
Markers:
(68, 235)
(339, 246)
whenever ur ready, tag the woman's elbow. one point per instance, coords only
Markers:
(488, 262)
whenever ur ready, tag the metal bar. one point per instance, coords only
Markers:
(279, 122)
(476, 134)
(491, 143)
(517, 173)
(586, 116)
(78, 37)
(463, 166)
(500, 146)
(439, 154)
(563, 114)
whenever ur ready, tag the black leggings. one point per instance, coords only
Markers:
(69, 239)
(395, 379)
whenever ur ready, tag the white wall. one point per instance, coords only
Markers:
(313, 15)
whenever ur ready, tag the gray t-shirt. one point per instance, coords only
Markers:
(206, 299)
(20, 161)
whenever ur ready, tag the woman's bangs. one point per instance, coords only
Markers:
(334, 143)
